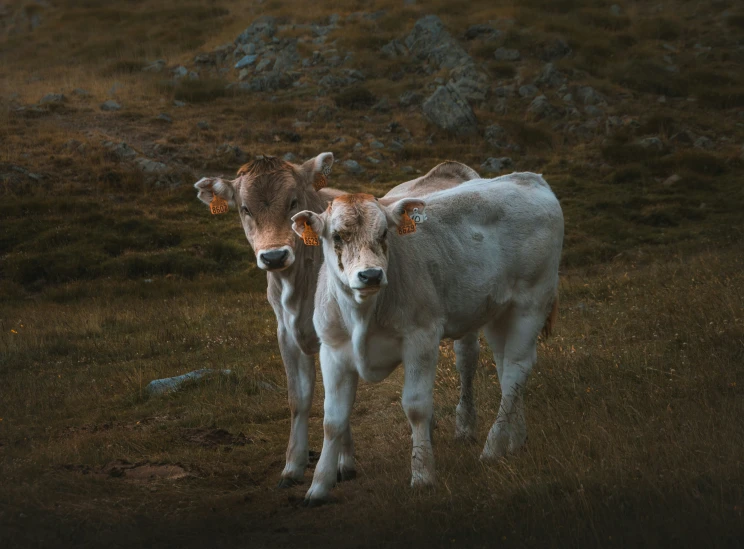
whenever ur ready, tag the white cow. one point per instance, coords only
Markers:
(267, 192)
(484, 254)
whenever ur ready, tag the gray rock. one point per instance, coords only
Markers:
(541, 108)
(555, 49)
(448, 110)
(410, 98)
(377, 144)
(671, 180)
(506, 54)
(703, 142)
(157, 66)
(178, 103)
(264, 64)
(495, 165)
(593, 111)
(262, 28)
(528, 90)
(202, 125)
(504, 91)
(171, 384)
(383, 105)
(590, 96)
(289, 157)
(394, 49)
(352, 166)
(244, 73)
(110, 105)
(470, 83)
(652, 143)
(550, 77)
(568, 98)
(287, 59)
(53, 99)
(615, 10)
(180, 72)
(164, 117)
(80, 92)
(150, 166)
(373, 160)
(496, 136)
(193, 75)
(246, 61)
(430, 41)
(407, 169)
(121, 150)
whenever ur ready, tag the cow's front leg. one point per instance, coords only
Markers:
(420, 363)
(340, 383)
(300, 370)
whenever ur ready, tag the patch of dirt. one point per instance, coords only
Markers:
(133, 472)
(212, 438)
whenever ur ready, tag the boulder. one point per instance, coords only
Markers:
(555, 49)
(262, 28)
(703, 142)
(110, 105)
(651, 143)
(410, 98)
(394, 49)
(540, 108)
(495, 165)
(246, 61)
(53, 99)
(550, 77)
(528, 90)
(448, 110)
(430, 41)
(590, 96)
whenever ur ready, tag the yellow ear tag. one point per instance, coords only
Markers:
(309, 236)
(407, 225)
(320, 181)
(218, 205)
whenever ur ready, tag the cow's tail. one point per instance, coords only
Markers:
(552, 318)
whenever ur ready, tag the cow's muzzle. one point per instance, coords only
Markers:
(370, 277)
(275, 259)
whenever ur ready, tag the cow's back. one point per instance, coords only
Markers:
(486, 244)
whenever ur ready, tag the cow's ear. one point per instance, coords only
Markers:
(404, 214)
(316, 170)
(209, 187)
(308, 226)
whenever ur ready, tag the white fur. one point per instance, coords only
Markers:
(487, 257)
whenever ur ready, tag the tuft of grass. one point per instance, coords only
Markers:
(203, 90)
(355, 98)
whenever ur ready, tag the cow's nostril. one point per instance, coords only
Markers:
(274, 258)
(371, 277)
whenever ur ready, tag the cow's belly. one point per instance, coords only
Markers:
(382, 355)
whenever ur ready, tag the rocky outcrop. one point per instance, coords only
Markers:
(448, 110)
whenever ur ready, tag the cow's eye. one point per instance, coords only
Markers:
(337, 238)
(245, 210)
(293, 205)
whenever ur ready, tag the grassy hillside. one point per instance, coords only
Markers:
(113, 274)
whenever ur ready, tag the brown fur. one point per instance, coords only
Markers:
(353, 199)
(551, 320)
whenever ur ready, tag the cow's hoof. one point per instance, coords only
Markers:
(288, 482)
(346, 474)
(314, 502)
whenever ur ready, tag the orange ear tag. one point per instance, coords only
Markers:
(407, 225)
(309, 236)
(320, 181)
(218, 205)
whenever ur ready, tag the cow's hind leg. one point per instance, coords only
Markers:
(509, 431)
(346, 465)
(300, 369)
(467, 350)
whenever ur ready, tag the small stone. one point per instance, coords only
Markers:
(671, 180)
(550, 77)
(193, 75)
(654, 143)
(289, 157)
(202, 125)
(151, 166)
(407, 169)
(246, 61)
(177, 103)
(358, 146)
(157, 66)
(79, 92)
(593, 111)
(703, 142)
(110, 105)
(163, 117)
(494, 165)
(410, 98)
(377, 144)
(243, 74)
(53, 98)
(528, 90)
(180, 72)
(615, 10)
(506, 54)
(541, 108)
(263, 64)
(372, 160)
(352, 166)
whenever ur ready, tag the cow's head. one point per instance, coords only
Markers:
(355, 232)
(267, 192)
